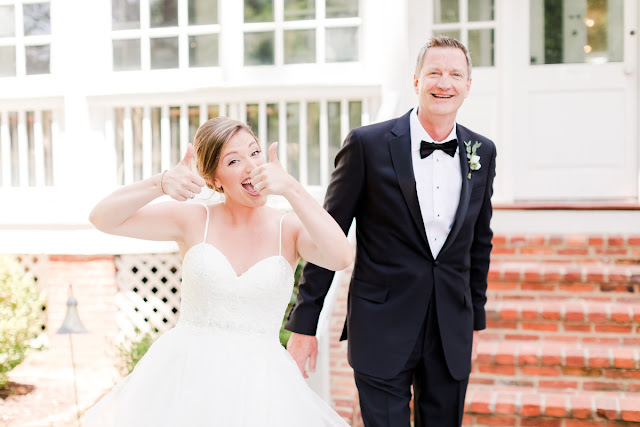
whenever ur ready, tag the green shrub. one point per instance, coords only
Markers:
(20, 308)
(131, 351)
(284, 334)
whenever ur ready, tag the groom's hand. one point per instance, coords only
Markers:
(302, 347)
(474, 347)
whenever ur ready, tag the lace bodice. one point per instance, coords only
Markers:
(213, 295)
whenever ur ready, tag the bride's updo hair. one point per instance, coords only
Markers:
(209, 144)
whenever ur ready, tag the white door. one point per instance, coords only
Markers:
(577, 125)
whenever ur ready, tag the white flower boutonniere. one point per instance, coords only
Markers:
(474, 159)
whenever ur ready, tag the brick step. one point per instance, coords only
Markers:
(538, 280)
(614, 249)
(563, 320)
(525, 406)
(581, 367)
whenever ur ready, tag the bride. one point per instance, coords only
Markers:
(222, 364)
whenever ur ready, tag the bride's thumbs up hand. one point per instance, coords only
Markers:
(180, 183)
(271, 178)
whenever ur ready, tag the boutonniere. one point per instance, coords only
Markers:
(474, 159)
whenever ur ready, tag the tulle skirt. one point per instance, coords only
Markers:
(196, 376)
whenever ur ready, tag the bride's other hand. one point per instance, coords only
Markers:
(179, 182)
(271, 178)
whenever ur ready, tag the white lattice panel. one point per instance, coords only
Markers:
(148, 291)
(36, 265)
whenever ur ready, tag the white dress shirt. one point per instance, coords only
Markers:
(438, 184)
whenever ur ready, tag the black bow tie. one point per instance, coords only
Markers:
(449, 147)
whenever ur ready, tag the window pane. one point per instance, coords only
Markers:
(174, 128)
(446, 11)
(119, 144)
(355, 114)
(258, 48)
(156, 140)
(202, 12)
(7, 21)
(252, 117)
(313, 143)
(48, 147)
(299, 46)
(164, 13)
(37, 19)
(341, 8)
(293, 139)
(7, 61)
(125, 14)
(335, 142)
(15, 154)
(164, 53)
(126, 55)
(481, 10)
(342, 44)
(136, 127)
(481, 47)
(31, 155)
(37, 59)
(203, 50)
(451, 33)
(567, 31)
(258, 10)
(272, 124)
(299, 9)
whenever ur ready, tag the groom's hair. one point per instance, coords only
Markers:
(442, 41)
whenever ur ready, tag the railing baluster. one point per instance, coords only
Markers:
(262, 127)
(324, 143)
(165, 138)
(184, 129)
(5, 149)
(304, 171)
(344, 119)
(23, 149)
(127, 146)
(282, 134)
(147, 151)
(38, 149)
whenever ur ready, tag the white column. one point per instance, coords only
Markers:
(324, 143)
(282, 134)
(147, 149)
(165, 138)
(5, 148)
(127, 146)
(304, 173)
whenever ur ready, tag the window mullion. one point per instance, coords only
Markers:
(320, 31)
(183, 37)
(145, 43)
(278, 17)
(464, 21)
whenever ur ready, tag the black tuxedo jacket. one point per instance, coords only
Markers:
(394, 272)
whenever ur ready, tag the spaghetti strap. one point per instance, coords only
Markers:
(280, 237)
(206, 227)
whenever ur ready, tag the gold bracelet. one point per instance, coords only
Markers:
(162, 176)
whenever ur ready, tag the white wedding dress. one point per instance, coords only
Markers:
(222, 364)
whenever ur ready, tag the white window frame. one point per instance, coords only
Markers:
(464, 25)
(20, 41)
(145, 33)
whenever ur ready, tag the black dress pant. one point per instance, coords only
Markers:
(438, 398)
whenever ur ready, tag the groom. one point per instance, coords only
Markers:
(420, 188)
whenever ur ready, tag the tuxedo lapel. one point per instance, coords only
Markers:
(400, 149)
(465, 191)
